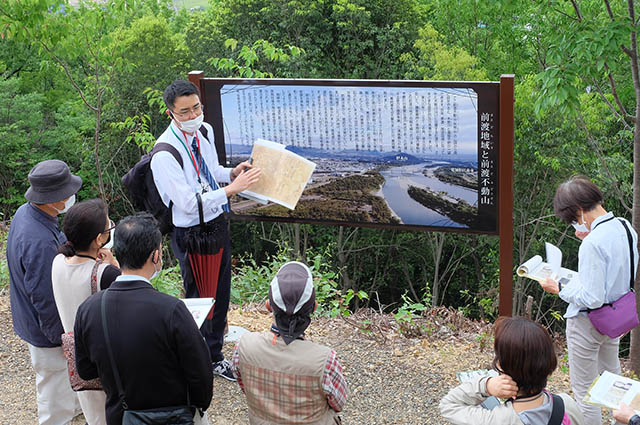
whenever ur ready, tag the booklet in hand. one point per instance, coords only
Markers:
(284, 174)
(609, 390)
(536, 269)
(199, 308)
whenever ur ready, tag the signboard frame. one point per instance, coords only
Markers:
(502, 155)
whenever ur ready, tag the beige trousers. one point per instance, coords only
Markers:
(93, 406)
(57, 402)
(590, 353)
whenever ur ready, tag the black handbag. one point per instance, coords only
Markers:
(179, 415)
(173, 415)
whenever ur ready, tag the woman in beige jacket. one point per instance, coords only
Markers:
(524, 357)
(88, 229)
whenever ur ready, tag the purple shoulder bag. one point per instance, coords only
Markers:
(620, 316)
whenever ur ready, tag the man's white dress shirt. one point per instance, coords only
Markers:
(180, 185)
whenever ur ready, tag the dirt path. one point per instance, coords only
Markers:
(392, 379)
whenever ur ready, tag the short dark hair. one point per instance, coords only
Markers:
(577, 193)
(135, 238)
(82, 224)
(178, 89)
(524, 351)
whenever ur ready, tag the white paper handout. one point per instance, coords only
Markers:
(284, 174)
(535, 268)
(467, 376)
(609, 390)
(199, 308)
(470, 375)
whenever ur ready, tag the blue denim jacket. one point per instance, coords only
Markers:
(32, 244)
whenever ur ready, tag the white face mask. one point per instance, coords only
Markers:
(109, 244)
(156, 272)
(193, 125)
(67, 204)
(582, 228)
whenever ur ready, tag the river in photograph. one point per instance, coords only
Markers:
(397, 182)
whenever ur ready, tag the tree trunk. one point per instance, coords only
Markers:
(635, 222)
(438, 239)
(632, 52)
(296, 240)
(96, 151)
(342, 260)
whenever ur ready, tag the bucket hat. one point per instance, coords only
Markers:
(51, 181)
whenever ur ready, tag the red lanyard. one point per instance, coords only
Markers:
(186, 144)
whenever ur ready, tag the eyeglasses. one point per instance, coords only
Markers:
(184, 113)
(111, 226)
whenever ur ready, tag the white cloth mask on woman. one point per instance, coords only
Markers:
(582, 228)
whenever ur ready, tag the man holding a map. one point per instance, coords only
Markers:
(607, 263)
(197, 181)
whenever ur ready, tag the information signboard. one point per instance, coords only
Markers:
(413, 154)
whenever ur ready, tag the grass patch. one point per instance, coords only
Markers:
(250, 282)
(169, 281)
(189, 4)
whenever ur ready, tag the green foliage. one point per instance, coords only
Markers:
(409, 311)
(485, 340)
(251, 281)
(84, 84)
(248, 56)
(341, 38)
(4, 267)
(169, 281)
(436, 61)
(487, 306)
(497, 33)
(154, 56)
(21, 119)
(584, 55)
(137, 128)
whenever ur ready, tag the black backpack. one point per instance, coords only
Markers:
(142, 189)
(145, 196)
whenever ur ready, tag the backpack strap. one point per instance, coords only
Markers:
(557, 412)
(114, 365)
(632, 276)
(166, 147)
(204, 132)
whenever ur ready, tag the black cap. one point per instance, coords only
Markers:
(51, 181)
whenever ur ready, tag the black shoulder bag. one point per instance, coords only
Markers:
(174, 415)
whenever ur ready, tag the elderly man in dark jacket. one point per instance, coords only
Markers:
(161, 358)
(32, 244)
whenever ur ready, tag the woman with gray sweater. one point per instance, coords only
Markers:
(524, 358)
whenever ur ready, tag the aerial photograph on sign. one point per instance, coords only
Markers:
(362, 154)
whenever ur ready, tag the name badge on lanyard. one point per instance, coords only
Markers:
(204, 186)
